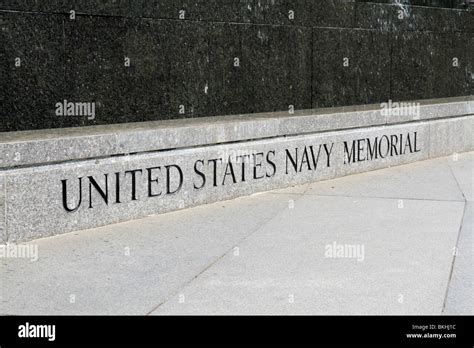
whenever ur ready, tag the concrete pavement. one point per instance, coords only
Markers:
(393, 241)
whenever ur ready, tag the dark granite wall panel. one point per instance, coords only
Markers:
(238, 11)
(333, 13)
(95, 69)
(222, 57)
(408, 18)
(148, 75)
(300, 66)
(284, 12)
(126, 8)
(32, 5)
(198, 10)
(470, 64)
(459, 77)
(349, 14)
(465, 21)
(28, 90)
(166, 75)
(225, 81)
(276, 65)
(431, 65)
(419, 65)
(93, 7)
(350, 67)
(429, 3)
(187, 59)
(372, 16)
(328, 84)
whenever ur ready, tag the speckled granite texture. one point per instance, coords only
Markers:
(193, 58)
(52, 199)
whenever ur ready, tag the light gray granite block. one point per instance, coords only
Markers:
(3, 222)
(52, 146)
(32, 147)
(429, 109)
(35, 206)
(340, 119)
(451, 136)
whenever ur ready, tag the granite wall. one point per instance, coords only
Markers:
(141, 60)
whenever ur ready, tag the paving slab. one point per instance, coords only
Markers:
(131, 267)
(431, 180)
(285, 267)
(462, 166)
(460, 298)
(298, 189)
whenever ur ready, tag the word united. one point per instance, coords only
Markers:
(165, 180)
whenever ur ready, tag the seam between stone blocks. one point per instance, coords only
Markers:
(453, 262)
(456, 180)
(186, 284)
(201, 20)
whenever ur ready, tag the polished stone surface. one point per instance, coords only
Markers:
(350, 67)
(166, 76)
(32, 70)
(372, 16)
(285, 12)
(225, 80)
(183, 57)
(417, 69)
(284, 79)
(95, 69)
